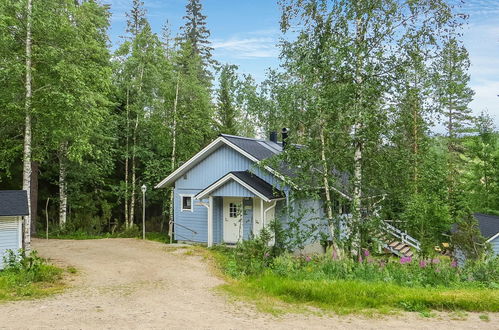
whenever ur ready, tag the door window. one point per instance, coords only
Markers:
(233, 210)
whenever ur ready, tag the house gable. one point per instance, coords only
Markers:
(220, 162)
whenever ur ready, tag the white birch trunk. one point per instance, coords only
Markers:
(134, 175)
(127, 150)
(174, 151)
(357, 160)
(63, 197)
(27, 130)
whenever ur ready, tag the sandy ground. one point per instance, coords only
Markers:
(131, 284)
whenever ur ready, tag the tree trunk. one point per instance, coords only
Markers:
(134, 176)
(329, 201)
(174, 151)
(127, 151)
(27, 130)
(63, 198)
(357, 160)
(34, 196)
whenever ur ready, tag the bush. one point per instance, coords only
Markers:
(28, 268)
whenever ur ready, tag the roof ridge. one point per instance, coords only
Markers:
(241, 137)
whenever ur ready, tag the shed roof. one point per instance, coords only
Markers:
(488, 224)
(13, 203)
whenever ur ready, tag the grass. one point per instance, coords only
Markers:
(346, 297)
(21, 285)
(81, 235)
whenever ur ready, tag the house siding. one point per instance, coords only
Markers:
(232, 189)
(218, 223)
(495, 245)
(10, 236)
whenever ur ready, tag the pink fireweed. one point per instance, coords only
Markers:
(435, 261)
(360, 258)
(405, 260)
(308, 259)
(422, 264)
(366, 253)
(453, 264)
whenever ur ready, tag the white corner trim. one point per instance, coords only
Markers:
(182, 204)
(223, 180)
(493, 238)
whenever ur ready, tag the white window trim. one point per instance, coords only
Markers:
(182, 202)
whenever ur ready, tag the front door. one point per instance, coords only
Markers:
(233, 219)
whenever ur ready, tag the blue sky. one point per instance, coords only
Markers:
(246, 32)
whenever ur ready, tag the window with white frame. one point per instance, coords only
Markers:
(186, 202)
(233, 210)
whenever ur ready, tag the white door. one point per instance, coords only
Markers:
(233, 219)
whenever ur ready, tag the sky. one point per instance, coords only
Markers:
(246, 33)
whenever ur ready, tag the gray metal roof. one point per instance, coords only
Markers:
(262, 186)
(13, 203)
(488, 224)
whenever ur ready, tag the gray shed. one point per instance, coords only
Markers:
(13, 206)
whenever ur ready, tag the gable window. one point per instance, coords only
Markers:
(186, 203)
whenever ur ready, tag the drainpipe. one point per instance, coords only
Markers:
(266, 210)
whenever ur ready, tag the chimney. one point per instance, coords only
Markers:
(273, 136)
(284, 135)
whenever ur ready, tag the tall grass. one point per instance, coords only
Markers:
(355, 296)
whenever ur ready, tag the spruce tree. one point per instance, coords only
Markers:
(196, 33)
(226, 112)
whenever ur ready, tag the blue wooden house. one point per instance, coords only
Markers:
(224, 195)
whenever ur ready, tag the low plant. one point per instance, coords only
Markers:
(27, 275)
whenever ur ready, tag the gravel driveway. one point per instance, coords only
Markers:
(132, 284)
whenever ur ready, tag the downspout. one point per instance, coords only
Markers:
(266, 210)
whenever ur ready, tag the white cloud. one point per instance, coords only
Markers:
(244, 48)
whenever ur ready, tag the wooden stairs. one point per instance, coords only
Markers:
(396, 241)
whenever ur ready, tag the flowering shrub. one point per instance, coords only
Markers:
(403, 271)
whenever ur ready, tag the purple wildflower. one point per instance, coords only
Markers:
(435, 261)
(360, 258)
(422, 264)
(335, 255)
(366, 253)
(453, 264)
(308, 259)
(405, 260)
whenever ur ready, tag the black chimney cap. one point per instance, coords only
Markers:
(284, 135)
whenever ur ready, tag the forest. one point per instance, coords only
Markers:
(376, 90)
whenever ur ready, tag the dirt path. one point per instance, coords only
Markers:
(131, 284)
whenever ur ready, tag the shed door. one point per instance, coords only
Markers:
(10, 236)
(233, 219)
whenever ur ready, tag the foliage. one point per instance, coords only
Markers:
(468, 240)
(27, 276)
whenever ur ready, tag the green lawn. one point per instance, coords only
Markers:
(359, 297)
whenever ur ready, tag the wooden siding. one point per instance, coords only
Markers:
(495, 245)
(10, 236)
(196, 220)
(232, 189)
(218, 222)
(247, 218)
(218, 164)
